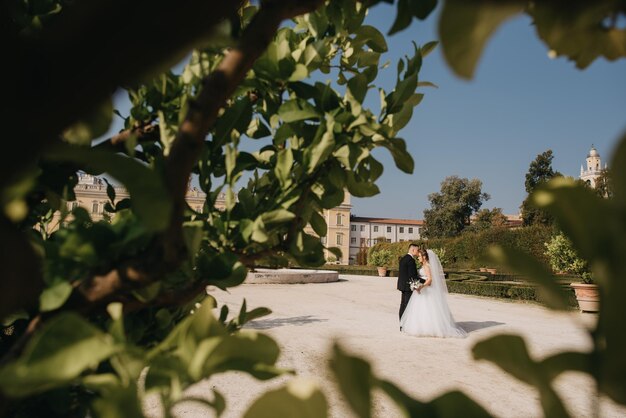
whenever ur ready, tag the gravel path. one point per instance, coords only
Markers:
(361, 312)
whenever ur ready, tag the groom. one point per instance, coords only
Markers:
(407, 271)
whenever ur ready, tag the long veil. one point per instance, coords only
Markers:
(436, 271)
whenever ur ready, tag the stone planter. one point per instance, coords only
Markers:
(587, 296)
(382, 271)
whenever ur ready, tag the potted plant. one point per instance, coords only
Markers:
(381, 259)
(563, 258)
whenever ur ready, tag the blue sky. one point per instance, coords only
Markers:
(519, 104)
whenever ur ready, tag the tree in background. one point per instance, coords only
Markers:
(604, 184)
(539, 173)
(453, 206)
(487, 219)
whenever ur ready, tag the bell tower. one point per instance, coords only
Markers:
(590, 173)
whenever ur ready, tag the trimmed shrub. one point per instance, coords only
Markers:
(380, 258)
(468, 249)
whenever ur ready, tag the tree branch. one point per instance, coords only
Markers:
(202, 114)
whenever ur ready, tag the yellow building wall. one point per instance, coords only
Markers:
(91, 195)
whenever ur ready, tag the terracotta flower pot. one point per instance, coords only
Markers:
(382, 271)
(587, 296)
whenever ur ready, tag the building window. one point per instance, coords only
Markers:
(339, 219)
(419, 231)
(362, 228)
(353, 228)
(402, 230)
(410, 230)
(353, 240)
(388, 229)
(74, 205)
(94, 207)
(375, 229)
(362, 242)
(339, 239)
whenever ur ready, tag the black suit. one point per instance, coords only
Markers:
(407, 271)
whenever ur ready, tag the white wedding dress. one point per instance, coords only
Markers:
(427, 314)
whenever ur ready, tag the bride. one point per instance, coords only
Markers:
(428, 314)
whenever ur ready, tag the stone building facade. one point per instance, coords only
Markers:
(91, 195)
(365, 232)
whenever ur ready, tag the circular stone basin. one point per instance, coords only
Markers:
(283, 276)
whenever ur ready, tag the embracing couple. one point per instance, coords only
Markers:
(424, 310)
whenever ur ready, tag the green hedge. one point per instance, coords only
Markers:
(358, 270)
(468, 249)
(473, 283)
(486, 285)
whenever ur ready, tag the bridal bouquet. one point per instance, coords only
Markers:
(413, 284)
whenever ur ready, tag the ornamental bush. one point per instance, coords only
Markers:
(380, 258)
(563, 258)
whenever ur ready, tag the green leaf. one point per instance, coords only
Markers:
(244, 351)
(110, 191)
(582, 34)
(509, 352)
(465, 27)
(298, 398)
(149, 197)
(525, 264)
(236, 117)
(404, 160)
(450, 405)
(428, 48)
(318, 223)
(354, 376)
(403, 17)
(55, 295)
(284, 165)
(300, 73)
(58, 353)
(93, 125)
(422, 8)
(277, 216)
(257, 129)
(360, 188)
(358, 87)
(372, 38)
(318, 152)
(148, 293)
(222, 271)
(193, 232)
(118, 402)
(618, 167)
(297, 109)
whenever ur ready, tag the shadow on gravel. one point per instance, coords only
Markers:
(279, 322)
(470, 326)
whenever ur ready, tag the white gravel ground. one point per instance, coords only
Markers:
(361, 312)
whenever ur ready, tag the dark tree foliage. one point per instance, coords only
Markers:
(539, 172)
(452, 207)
